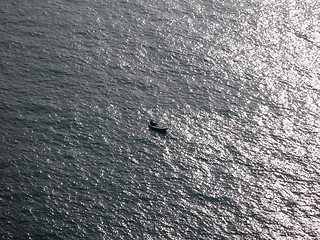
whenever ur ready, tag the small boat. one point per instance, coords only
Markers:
(157, 127)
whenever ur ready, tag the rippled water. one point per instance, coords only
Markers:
(236, 81)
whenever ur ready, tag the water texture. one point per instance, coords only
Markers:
(237, 82)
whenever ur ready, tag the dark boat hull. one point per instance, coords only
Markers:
(158, 128)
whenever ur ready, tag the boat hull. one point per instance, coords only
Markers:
(158, 128)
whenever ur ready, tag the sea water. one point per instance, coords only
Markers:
(237, 82)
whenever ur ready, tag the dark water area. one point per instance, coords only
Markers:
(237, 82)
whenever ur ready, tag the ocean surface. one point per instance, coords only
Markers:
(237, 82)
